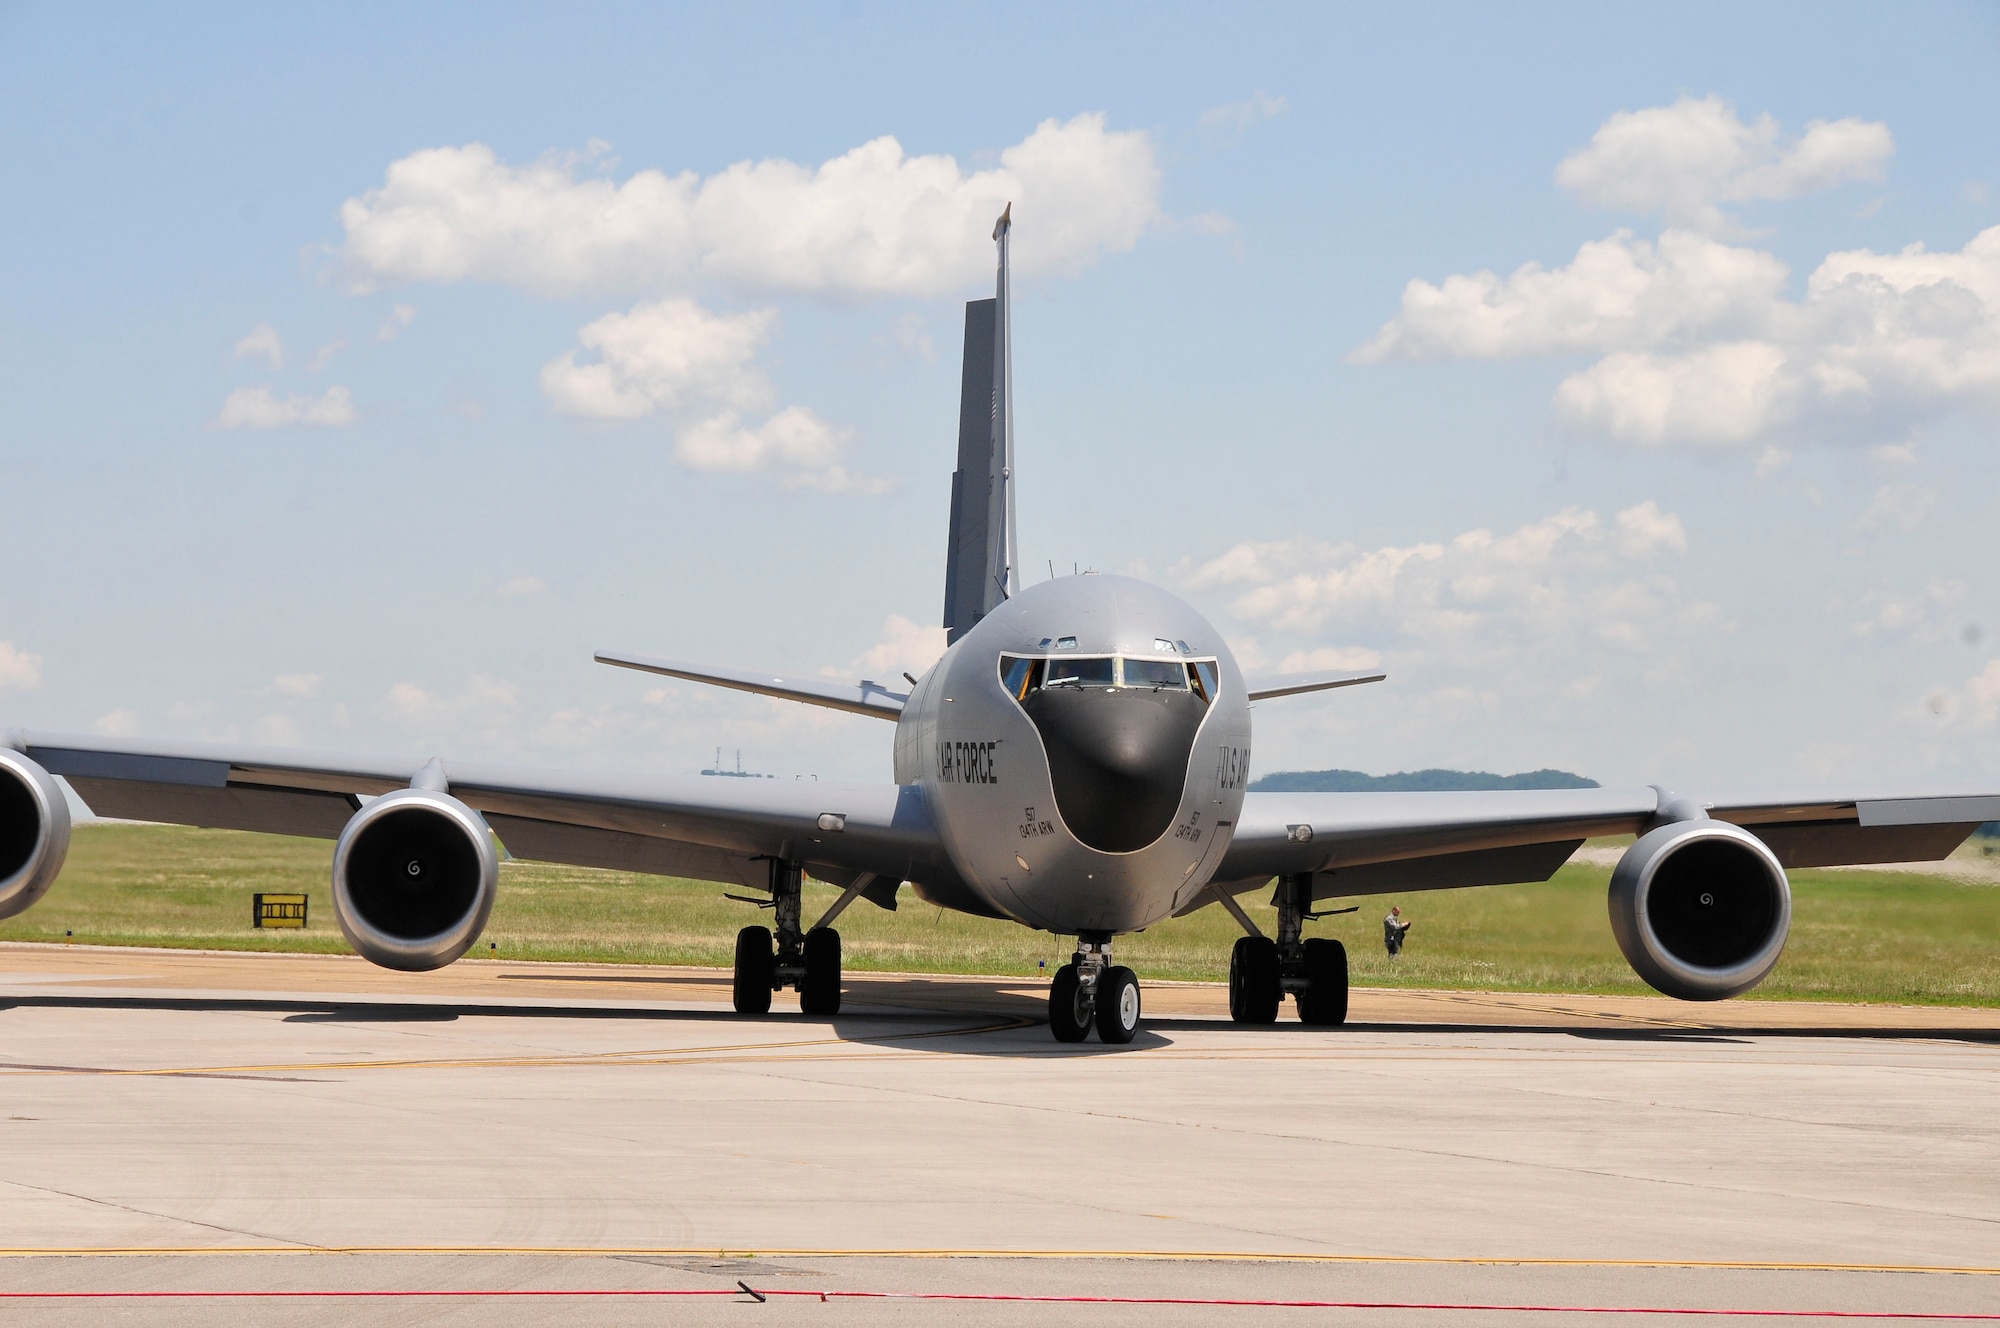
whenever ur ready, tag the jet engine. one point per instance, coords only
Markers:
(34, 831)
(414, 876)
(1701, 909)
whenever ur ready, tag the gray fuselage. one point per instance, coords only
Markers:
(1083, 749)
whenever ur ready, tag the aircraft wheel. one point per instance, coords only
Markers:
(1117, 1005)
(756, 966)
(1069, 1011)
(1254, 991)
(819, 993)
(1324, 1001)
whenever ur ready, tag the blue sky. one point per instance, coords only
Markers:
(365, 369)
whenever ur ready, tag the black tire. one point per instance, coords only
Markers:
(1324, 1000)
(1069, 1015)
(1117, 1006)
(756, 967)
(1254, 991)
(819, 991)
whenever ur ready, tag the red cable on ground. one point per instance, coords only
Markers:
(1218, 1302)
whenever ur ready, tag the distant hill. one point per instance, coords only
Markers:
(1413, 781)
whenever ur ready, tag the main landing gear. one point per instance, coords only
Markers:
(807, 960)
(1261, 970)
(1089, 990)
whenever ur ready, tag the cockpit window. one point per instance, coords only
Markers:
(1156, 673)
(1087, 671)
(1024, 674)
(1017, 674)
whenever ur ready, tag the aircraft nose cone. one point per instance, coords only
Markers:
(1118, 759)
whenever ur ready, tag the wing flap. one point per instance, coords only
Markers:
(273, 811)
(1848, 843)
(618, 850)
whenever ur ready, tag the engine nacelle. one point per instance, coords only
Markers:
(34, 831)
(1701, 909)
(414, 877)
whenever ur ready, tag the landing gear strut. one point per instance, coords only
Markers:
(806, 960)
(1261, 970)
(1089, 990)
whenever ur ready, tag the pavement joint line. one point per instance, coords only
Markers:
(1186, 1256)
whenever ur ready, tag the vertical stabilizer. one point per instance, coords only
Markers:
(981, 563)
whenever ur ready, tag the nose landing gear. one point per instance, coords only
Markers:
(1262, 970)
(1091, 990)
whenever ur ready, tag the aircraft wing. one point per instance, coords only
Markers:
(1367, 843)
(709, 828)
(866, 697)
(1271, 686)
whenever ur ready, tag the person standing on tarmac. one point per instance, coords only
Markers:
(1393, 931)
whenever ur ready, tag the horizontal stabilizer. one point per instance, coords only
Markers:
(1291, 684)
(857, 698)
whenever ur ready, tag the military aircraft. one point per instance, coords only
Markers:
(1075, 762)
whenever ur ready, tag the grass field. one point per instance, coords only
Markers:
(1856, 935)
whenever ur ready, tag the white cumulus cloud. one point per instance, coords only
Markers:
(262, 343)
(1570, 573)
(1904, 506)
(803, 448)
(397, 322)
(19, 670)
(1618, 293)
(118, 724)
(261, 408)
(1701, 345)
(873, 221)
(1699, 340)
(660, 356)
(1229, 120)
(905, 646)
(1684, 159)
(521, 587)
(301, 685)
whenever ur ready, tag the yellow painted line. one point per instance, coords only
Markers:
(1192, 1256)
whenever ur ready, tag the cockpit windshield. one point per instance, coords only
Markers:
(1022, 675)
(1155, 673)
(1088, 671)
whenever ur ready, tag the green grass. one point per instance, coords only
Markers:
(1856, 936)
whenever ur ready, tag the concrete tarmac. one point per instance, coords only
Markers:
(232, 1137)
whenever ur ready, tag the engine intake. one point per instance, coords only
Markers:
(1701, 909)
(414, 877)
(34, 831)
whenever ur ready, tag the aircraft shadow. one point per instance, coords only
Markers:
(975, 1028)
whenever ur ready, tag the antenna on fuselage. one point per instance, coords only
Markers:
(982, 560)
